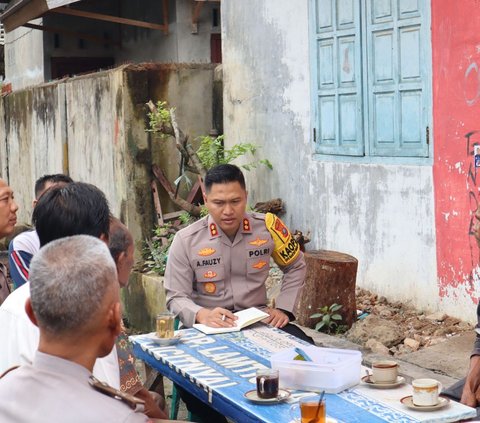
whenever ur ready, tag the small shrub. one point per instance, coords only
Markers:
(330, 319)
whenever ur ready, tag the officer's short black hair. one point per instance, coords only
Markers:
(57, 177)
(73, 209)
(223, 174)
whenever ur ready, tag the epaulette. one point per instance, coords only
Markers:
(257, 215)
(8, 371)
(134, 403)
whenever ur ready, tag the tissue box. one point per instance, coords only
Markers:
(331, 370)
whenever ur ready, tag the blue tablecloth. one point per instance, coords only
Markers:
(219, 369)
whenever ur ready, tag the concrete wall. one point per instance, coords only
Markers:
(93, 127)
(24, 63)
(382, 214)
(35, 137)
(456, 91)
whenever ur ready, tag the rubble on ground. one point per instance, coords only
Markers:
(397, 329)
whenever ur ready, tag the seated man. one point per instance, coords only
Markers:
(76, 208)
(23, 247)
(467, 390)
(76, 304)
(8, 219)
(219, 264)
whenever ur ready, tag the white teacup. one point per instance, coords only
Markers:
(384, 371)
(426, 391)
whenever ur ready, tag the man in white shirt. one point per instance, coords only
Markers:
(26, 244)
(77, 208)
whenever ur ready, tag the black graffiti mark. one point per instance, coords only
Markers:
(472, 140)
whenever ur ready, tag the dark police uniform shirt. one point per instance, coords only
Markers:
(207, 270)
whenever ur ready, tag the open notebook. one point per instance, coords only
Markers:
(245, 318)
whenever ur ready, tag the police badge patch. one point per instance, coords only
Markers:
(286, 249)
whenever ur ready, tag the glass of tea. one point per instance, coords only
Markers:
(267, 383)
(165, 322)
(312, 410)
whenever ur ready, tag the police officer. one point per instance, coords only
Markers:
(76, 305)
(219, 264)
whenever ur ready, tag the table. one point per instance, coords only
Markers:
(219, 369)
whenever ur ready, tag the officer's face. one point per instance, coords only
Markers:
(8, 210)
(226, 204)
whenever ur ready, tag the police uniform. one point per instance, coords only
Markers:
(207, 270)
(56, 390)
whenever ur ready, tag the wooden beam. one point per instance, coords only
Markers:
(108, 18)
(27, 11)
(75, 34)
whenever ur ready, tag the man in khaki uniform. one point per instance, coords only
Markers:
(219, 264)
(75, 302)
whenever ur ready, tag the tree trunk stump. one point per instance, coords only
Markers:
(330, 278)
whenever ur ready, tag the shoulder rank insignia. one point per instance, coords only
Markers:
(246, 224)
(286, 249)
(206, 252)
(134, 403)
(213, 229)
(209, 287)
(258, 242)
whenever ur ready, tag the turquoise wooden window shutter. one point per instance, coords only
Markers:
(338, 85)
(371, 78)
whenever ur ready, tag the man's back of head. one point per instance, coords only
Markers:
(46, 181)
(73, 283)
(73, 209)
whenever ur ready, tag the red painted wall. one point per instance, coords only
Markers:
(456, 125)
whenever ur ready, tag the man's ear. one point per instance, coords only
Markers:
(30, 313)
(34, 203)
(104, 238)
(115, 318)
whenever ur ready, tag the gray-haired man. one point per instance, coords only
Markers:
(76, 305)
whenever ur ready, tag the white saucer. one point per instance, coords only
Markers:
(408, 402)
(252, 396)
(366, 380)
(166, 342)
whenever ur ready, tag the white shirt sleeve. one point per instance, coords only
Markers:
(19, 333)
(20, 339)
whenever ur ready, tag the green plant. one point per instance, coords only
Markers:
(330, 319)
(212, 152)
(158, 119)
(155, 251)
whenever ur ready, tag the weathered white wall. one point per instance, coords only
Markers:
(381, 214)
(24, 57)
(35, 137)
(94, 128)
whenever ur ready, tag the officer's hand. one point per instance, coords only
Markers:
(468, 397)
(216, 318)
(277, 318)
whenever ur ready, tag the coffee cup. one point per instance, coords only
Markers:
(384, 371)
(426, 392)
(312, 410)
(267, 383)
